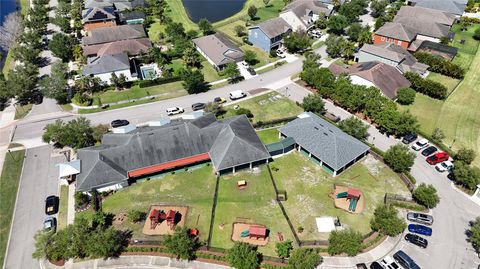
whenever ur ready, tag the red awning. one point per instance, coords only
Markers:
(257, 231)
(353, 192)
(169, 165)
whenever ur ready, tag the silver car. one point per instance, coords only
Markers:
(420, 218)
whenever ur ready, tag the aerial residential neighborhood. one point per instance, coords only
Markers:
(244, 134)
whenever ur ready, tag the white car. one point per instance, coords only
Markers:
(389, 263)
(281, 54)
(443, 167)
(174, 110)
(237, 95)
(420, 144)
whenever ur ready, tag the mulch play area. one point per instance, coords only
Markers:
(344, 198)
(255, 234)
(162, 219)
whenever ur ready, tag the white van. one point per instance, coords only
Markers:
(174, 110)
(237, 95)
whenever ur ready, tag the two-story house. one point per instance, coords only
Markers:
(98, 17)
(301, 15)
(269, 34)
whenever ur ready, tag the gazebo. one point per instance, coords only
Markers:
(257, 232)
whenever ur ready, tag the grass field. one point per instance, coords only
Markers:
(193, 189)
(448, 82)
(63, 208)
(268, 107)
(308, 188)
(22, 111)
(457, 116)
(255, 204)
(9, 181)
(268, 136)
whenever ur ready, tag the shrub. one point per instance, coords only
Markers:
(438, 135)
(283, 249)
(465, 155)
(82, 100)
(476, 34)
(354, 127)
(406, 96)
(466, 175)
(243, 255)
(345, 241)
(313, 103)
(426, 86)
(242, 111)
(81, 200)
(181, 244)
(386, 221)
(273, 53)
(474, 234)
(304, 258)
(440, 65)
(136, 215)
(426, 195)
(399, 158)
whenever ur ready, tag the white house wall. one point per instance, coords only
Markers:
(110, 188)
(428, 38)
(361, 81)
(105, 77)
(206, 57)
(293, 21)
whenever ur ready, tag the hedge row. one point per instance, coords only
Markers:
(440, 65)
(427, 86)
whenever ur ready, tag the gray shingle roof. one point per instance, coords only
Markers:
(111, 34)
(324, 140)
(98, 14)
(428, 15)
(219, 49)
(120, 5)
(273, 27)
(229, 143)
(301, 8)
(131, 46)
(398, 31)
(450, 6)
(106, 64)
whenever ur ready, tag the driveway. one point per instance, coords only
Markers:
(39, 179)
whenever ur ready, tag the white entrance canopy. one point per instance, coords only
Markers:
(68, 169)
(325, 224)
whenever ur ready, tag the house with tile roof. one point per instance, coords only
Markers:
(324, 143)
(132, 47)
(374, 74)
(229, 145)
(269, 34)
(98, 17)
(302, 14)
(218, 50)
(103, 67)
(112, 34)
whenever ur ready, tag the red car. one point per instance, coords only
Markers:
(438, 158)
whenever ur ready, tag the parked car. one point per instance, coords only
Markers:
(429, 151)
(219, 100)
(389, 263)
(281, 54)
(251, 71)
(174, 110)
(405, 260)
(420, 218)
(438, 158)
(409, 138)
(451, 176)
(445, 166)
(361, 266)
(198, 106)
(50, 224)
(237, 95)
(420, 229)
(376, 265)
(119, 123)
(416, 240)
(51, 205)
(420, 144)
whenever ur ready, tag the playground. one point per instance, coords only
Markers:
(163, 219)
(348, 199)
(254, 234)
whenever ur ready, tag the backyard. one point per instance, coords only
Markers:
(193, 189)
(267, 107)
(456, 116)
(308, 188)
(268, 136)
(254, 204)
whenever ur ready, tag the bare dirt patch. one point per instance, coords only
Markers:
(343, 203)
(239, 227)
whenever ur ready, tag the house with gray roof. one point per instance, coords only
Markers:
(104, 66)
(302, 14)
(229, 145)
(269, 34)
(132, 47)
(218, 50)
(112, 34)
(323, 142)
(120, 5)
(98, 17)
(455, 7)
(393, 55)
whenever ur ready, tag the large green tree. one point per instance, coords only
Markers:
(61, 46)
(346, 241)
(354, 127)
(191, 57)
(205, 26)
(465, 155)
(56, 85)
(426, 195)
(283, 249)
(243, 256)
(231, 71)
(304, 258)
(77, 133)
(399, 158)
(466, 175)
(194, 81)
(181, 244)
(252, 11)
(22, 81)
(337, 24)
(297, 42)
(386, 221)
(313, 103)
(251, 57)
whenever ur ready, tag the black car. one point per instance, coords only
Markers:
(51, 205)
(451, 176)
(37, 98)
(251, 71)
(416, 240)
(409, 138)
(119, 123)
(198, 106)
(361, 266)
(375, 265)
(429, 151)
(405, 261)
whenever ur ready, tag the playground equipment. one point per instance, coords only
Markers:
(157, 217)
(241, 184)
(245, 233)
(351, 194)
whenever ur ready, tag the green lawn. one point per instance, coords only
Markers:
(448, 82)
(25, 6)
(193, 189)
(9, 181)
(263, 13)
(63, 208)
(268, 107)
(308, 187)
(112, 96)
(268, 136)
(22, 111)
(457, 116)
(8, 64)
(255, 204)
(209, 72)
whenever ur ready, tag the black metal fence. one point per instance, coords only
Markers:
(214, 206)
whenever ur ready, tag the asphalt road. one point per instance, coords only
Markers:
(39, 180)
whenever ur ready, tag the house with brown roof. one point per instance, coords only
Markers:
(302, 14)
(112, 34)
(374, 74)
(415, 24)
(218, 50)
(98, 17)
(132, 47)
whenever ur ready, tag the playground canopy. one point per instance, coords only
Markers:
(325, 224)
(353, 193)
(257, 231)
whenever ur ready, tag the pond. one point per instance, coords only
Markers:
(6, 7)
(212, 10)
